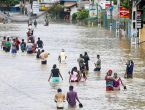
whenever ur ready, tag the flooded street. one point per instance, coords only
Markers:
(24, 81)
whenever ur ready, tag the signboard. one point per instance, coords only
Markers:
(93, 11)
(29, 9)
(115, 12)
(87, 6)
(108, 12)
(124, 14)
(35, 7)
(107, 5)
(139, 22)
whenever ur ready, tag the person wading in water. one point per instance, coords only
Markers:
(86, 59)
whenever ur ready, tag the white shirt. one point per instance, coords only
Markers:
(29, 45)
(62, 56)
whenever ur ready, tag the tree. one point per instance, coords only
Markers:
(9, 2)
(82, 14)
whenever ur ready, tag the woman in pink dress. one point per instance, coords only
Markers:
(74, 76)
(116, 83)
(83, 77)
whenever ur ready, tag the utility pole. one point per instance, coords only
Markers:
(134, 17)
(99, 15)
(118, 16)
(110, 15)
(24, 6)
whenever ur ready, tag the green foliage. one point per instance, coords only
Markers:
(74, 16)
(54, 12)
(11, 2)
(81, 14)
(14, 2)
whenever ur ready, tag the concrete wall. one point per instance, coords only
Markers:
(73, 10)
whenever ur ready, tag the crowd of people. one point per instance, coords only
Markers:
(5, 20)
(75, 75)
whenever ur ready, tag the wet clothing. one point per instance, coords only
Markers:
(71, 97)
(116, 82)
(62, 56)
(3, 41)
(35, 23)
(55, 75)
(74, 76)
(55, 79)
(23, 46)
(109, 84)
(34, 47)
(14, 51)
(18, 43)
(82, 78)
(55, 72)
(98, 65)
(31, 38)
(39, 43)
(81, 62)
(60, 98)
(116, 88)
(129, 76)
(7, 43)
(29, 46)
(7, 49)
(86, 59)
(109, 88)
(129, 69)
(42, 56)
(14, 45)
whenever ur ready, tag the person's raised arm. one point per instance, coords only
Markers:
(50, 76)
(60, 75)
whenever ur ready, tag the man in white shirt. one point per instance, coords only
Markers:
(62, 56)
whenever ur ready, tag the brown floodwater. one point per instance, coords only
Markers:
(23, 80)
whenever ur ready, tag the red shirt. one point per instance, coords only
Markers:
(3, 41)
(17, 41)
(67, 16)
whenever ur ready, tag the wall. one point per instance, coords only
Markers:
(73, 10)
(142, 34)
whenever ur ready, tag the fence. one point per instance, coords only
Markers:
(106, 22)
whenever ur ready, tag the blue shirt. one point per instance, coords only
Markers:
(109, 83)
(129, 69)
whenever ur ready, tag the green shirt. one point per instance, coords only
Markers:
(80, 61)
(7, 43)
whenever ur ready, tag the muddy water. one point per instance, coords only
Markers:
(23, 80)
